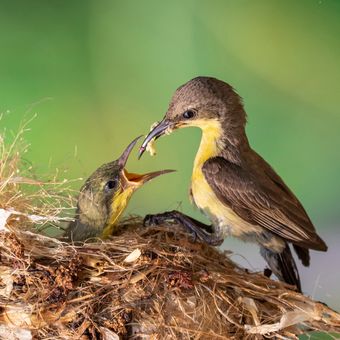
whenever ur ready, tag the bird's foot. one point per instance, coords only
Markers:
(158, 219)
(167, 218)
(197, 229)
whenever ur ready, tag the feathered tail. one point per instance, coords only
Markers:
(283, 265)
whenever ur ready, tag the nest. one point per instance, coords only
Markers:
(146, 282)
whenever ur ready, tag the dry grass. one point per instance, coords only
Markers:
(146, 282)
(31, 202)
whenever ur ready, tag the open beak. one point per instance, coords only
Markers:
(138, 180)
(156, 132)
(132, 179)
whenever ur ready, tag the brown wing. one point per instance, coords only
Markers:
(267, 203)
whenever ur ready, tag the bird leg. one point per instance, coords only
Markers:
(196, 228)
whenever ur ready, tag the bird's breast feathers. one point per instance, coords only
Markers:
(224, 219)
(226, 222)
(118, 205)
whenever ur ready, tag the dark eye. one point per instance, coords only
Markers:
(110, 185)
(188, 114)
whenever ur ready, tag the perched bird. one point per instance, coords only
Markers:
(104, 196)
(235, 187)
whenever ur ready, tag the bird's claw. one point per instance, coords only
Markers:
(150, 220)
(153, 220)
(158, 219)
(196, 232)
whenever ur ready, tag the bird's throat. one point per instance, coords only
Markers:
(210, 145)
(211, 141)
(118, 206)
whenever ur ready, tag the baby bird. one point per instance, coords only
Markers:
(104, 197)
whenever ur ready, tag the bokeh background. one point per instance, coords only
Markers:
(98, 73)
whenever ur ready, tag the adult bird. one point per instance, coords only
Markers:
(104, 196)
(234, 186)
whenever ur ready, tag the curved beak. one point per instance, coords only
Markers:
(125, 155)
(155, 133)
(133, 179)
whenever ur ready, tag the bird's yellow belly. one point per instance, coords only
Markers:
(225, 221)
(223, 218)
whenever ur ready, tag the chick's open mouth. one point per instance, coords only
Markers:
(139, 179)
(133, 177)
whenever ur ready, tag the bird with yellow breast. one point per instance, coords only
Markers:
(234, 186)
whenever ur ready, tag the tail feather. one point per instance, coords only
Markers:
(283, 265)
(303, 254)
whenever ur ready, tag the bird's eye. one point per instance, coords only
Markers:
(110, 185)
(188, 114)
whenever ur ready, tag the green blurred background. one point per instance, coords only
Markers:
(98, 73)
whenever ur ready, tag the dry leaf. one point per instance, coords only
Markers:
(108, 335)
(6, 280)
(4, 214)
(10, 333)
(288, 319)
(133, 256)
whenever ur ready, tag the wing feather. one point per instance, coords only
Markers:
(268, 203)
